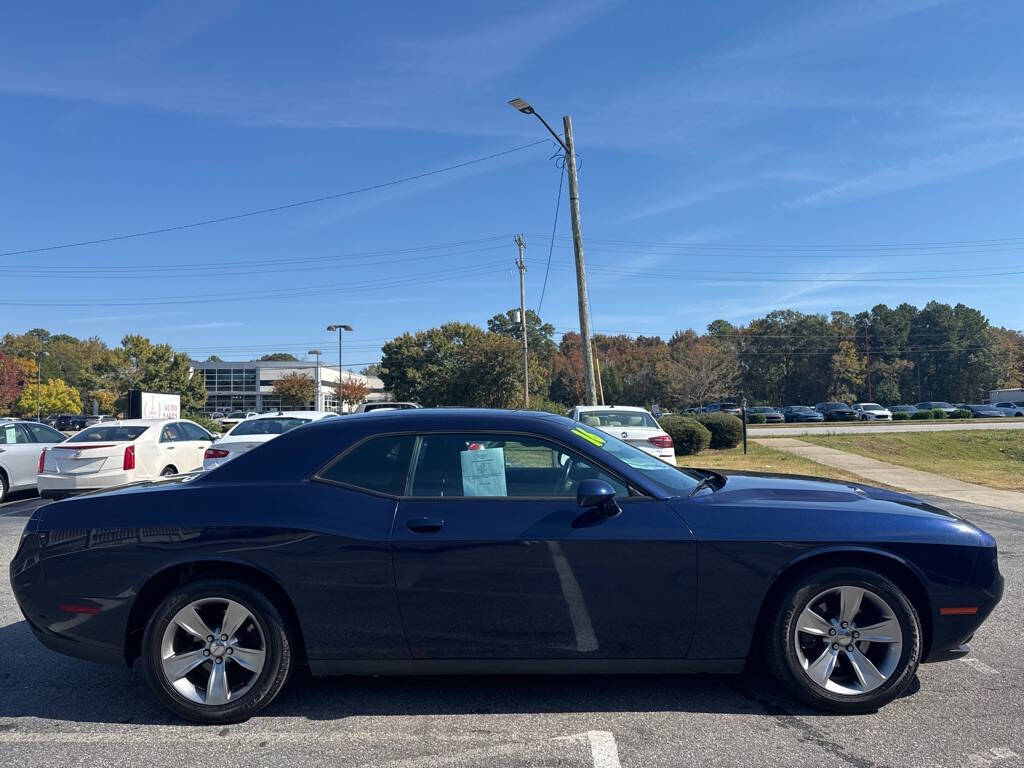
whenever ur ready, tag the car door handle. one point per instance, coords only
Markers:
(170, 447)
(425, 524)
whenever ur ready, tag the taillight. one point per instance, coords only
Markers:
(215, 453)
(129, 457)
(660, 441)
(42, 460)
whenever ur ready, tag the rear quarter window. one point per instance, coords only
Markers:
(380, 465)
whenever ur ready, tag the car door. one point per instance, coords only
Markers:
(494, 559)
(197, 441)
(19, 455)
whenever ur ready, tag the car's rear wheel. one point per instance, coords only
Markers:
(845, 639)
(216, 652)
(3, 486)
(168, 471)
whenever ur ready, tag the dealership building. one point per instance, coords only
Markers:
(249, 386)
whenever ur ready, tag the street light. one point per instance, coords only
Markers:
(589, 382)
(340, 328)
(316, 400)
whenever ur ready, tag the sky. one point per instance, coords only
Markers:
(734, 158)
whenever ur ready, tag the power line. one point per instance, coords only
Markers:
(551, 248)
(940, 244)
(276, 208)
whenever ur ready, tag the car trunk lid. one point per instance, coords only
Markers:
(83, 459)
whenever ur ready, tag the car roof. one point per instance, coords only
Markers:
(633, 408)
(293, 415)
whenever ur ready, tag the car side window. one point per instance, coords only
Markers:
(380, 465)
(43, 434)
(172, 433)
(502, 466)
(193, 431)
(11, 434)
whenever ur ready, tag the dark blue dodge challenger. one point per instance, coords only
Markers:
(460, 541)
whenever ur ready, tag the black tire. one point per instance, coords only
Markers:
(168, 471)
(4, 487)
(277, 666)
(781, 645)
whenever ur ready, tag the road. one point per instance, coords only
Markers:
(59, 711)
(852, 428)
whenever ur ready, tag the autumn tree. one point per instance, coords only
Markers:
(295, 389)
(351, 391)
(53, 396)
(847, 374)
(12, 381)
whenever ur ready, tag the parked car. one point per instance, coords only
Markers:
(236, 416)
(733, 408)
(253, 432)
(837, 412)
(872, 412)
(771, 415)
(69, 422)
(984, 411)
(216, 416)
(903, 409)
(435, 540)
(385, 406)
(21, 443)
(633, 425)
(1008, 408)
(91, 421)
(123, 452)
(935, 405)
(801, 413)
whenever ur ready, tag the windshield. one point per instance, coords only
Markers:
(103, 434)
(618, 419)
(800, 408)
(675, 481)
(275, 426)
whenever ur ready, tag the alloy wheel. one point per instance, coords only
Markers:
(213, 651)
(848, 640)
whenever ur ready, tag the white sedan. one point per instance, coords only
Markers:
(21, 444)
(872, 412)
(255, 431)
(630, 424)
(128, 451)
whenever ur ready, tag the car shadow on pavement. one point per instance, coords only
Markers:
(37, 682)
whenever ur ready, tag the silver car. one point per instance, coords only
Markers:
(21, 445)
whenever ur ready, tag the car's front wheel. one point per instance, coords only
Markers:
(216, 651)
(845, 639)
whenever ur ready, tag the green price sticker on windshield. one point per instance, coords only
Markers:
(590, 437)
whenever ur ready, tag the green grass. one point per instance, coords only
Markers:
(987, 457)
(760, 458)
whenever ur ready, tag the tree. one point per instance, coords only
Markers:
(106, 401)
(351, 391)
(214, 359)
(373, 369)
(700, 371)
(140, 364)
(54, 396)
(12, 381)
(295, 389)
(538, 333)
(847, 373)
(280, 357)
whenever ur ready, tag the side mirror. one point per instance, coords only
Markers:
(599, 495)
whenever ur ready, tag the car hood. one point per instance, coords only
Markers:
(769, 490)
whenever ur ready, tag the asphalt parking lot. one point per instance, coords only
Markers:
(59, 711)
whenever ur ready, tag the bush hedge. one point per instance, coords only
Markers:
(938, 413)
(900, 416)
(206, 423)
(961, 413)
(726, 430)
(687, 435)
(922, 415)
(756, 418)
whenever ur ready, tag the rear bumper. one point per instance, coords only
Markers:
(54, 486)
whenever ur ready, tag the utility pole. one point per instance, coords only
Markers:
(589, 383)
(317, 400)
(867, 347)
(340, 328)
(522, 319)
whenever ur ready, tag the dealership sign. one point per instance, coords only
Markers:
(154, 405)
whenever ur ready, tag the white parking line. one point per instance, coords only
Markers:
(979, 666)
(603, 749)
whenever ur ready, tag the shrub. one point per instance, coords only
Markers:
(961, 413)
(539, 403)
(687, 435)
(938, 413)
(756, 418)
(206, 423)
(900, 416)
(726, 430)
(922, 415)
